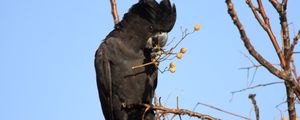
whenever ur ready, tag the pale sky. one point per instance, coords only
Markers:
(47, 49)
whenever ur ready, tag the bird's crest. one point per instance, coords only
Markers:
(162, 15)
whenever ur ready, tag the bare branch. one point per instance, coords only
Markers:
(248, 69)
(263, 13)
(255, 66)
(114, 11)
(176, 111)
(249, 46)
(256, 86)
(281, 9)
(277, 107)
(266, 26)
(250, 4)
(146, 64)
(285, 75)
(230, 113)
(291, 85)
(295, 42)
(294, 70)
(275, 4)
(256, 109)
(246, 56)
(285, 57)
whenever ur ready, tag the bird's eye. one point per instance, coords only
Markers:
(151, 28)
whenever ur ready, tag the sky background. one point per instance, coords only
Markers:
(47, 50)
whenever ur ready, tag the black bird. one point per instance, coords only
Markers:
(132, 42)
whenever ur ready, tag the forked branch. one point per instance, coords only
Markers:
(266, 26)
(285, 57)
(249, 46)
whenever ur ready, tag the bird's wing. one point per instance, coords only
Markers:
(104, 81)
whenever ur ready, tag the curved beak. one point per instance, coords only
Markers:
(159, 39)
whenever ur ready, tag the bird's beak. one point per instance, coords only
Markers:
(159, 39)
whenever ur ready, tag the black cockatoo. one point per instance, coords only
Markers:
(131, 43)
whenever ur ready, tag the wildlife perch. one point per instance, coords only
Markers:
(134, 41)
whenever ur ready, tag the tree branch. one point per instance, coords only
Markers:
(281, 9)
(295, 42)
(284, 4)
(213, 107)
(294, 70)
(256, 86)
(177, 111)
(290, 101)
(266, 26)
(114, 11)
(280, 74)
(249, 46)
(263, 13)
(292, 87)
(256, 109)
(290, 84)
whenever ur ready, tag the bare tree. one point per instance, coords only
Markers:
(287, 71)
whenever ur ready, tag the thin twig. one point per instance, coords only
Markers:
(184, 34)
(233, 114)
(163, 55)
(143, 65)
(256, 109)
(246, 56)
(256, 86)
(277, 107)
(255, 66)
(248, 69)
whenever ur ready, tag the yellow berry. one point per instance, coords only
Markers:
(284, 118)
(172, 64)
(197, 27)
(160, 52)
(183, 50)
(172, 69)
(179, 55)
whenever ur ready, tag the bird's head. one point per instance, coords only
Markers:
(160, 18)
